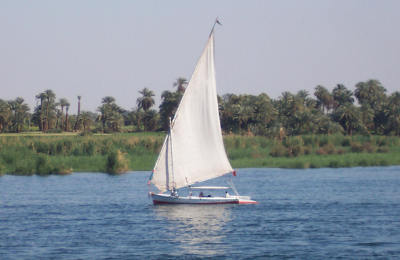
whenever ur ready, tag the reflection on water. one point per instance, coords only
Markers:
(196, 228)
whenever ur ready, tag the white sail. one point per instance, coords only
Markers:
(194, 149)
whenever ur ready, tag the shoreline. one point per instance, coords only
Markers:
(64, 154)
(237, 170)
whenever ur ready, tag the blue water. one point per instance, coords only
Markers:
(306, 214)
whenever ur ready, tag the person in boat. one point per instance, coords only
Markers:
(226, 194)
(201, 194)
(174, 192)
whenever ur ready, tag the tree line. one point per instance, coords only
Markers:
(369, 109)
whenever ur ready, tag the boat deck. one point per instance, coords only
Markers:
(168, 199)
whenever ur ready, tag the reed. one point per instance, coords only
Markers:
(116, 162)
(114, 153)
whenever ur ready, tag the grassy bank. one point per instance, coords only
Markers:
(313, 151)
(62, 154)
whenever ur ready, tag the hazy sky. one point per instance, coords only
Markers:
(100, 48)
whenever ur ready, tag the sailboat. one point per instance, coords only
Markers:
(193, 150)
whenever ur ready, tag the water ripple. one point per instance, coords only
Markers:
(306, 214)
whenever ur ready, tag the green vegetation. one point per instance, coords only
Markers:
(337, 128)
(313, 151)
(60, 154)
(45, 154)
(368, 110)
(116, 162)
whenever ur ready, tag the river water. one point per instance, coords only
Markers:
(305, 214)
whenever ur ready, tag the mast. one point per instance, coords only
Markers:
(212, 29)
(169, 153)
(172, 156)
(166, 163)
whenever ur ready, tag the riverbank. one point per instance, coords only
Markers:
(114, 153)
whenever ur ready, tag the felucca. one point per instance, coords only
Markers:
(193, 150)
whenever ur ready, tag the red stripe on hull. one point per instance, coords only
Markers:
(157, 202)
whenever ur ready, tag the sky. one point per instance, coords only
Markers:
(116, 48)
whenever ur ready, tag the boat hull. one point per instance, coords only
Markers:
(168, 199)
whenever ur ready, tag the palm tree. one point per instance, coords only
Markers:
(146, 101)
(150, 120)
(62, 102)
(180, 84)
(111, 115)
(136, 117)
(393, 114)
(342, 95)
(41, 111)
(5, 115)
(45, 113)
(108, 100)
(78, 119)
(79, 105)
(264, 112)
(371, 95)
(168, 106)
(66, 117)
(349, 117)
(19, 114)
(324, 98)
(371, 92)
(50, 106)
(367, 117)
(302, 94)
(87, 120)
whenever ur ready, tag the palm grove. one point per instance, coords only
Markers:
(369, 109)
